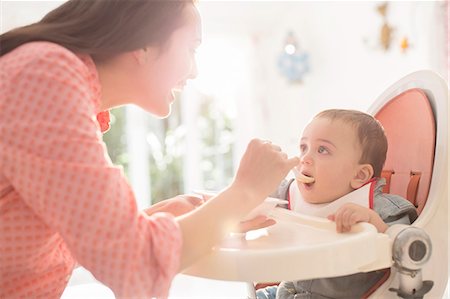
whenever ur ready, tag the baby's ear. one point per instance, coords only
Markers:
(364, 173)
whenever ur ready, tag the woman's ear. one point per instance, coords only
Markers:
(141, 55)
(363, 174)
(146, 55)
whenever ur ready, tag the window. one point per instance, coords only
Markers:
(195, 147)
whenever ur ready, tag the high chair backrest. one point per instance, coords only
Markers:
(414, 112)
(409, 123)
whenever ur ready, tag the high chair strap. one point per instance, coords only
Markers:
(387, 273)
(386, 174)
(413, 186)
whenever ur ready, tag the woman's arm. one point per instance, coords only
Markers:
(176, 206)
(262, 168)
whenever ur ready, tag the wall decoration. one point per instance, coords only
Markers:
(387, 38)
(293, 62)
(404, 44)
(386, 29)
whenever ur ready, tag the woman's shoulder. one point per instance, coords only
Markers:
(41, 49)
(40, 54)
(50, 72)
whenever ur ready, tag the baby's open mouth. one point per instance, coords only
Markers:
(302, 177)
(305, 178)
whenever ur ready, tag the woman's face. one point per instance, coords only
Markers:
(169, 67)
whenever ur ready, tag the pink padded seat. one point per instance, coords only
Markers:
(409, 123)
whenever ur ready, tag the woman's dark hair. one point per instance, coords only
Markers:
(102, 28)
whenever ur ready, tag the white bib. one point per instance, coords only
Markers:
(362, 196)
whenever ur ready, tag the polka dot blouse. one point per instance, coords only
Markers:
(62, 201)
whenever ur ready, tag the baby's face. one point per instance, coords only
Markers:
(330, 153)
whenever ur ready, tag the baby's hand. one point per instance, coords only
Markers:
(350, 214)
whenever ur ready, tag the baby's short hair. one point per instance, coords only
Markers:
(370, 134)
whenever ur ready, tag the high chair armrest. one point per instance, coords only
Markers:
(395, 229)
(384, 253)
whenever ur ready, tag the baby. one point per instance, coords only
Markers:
(342, 154)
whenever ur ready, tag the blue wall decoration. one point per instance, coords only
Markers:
(293, 63)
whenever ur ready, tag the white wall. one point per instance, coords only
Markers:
(347, 68)
(14, 13)
(345, 72)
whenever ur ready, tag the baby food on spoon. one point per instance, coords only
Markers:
(302, 178)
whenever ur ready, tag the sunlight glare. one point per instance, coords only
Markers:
(223, 67)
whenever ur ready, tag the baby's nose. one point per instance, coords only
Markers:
(306, 159)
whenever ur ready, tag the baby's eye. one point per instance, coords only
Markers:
(322, 150)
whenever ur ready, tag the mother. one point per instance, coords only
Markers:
(62, 201)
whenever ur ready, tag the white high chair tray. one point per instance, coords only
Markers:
(297, 247)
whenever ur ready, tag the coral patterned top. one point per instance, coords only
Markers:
(61, 199)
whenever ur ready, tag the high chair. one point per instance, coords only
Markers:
(413, 112)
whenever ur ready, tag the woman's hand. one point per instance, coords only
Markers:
(177, 205)
(350, 214)
(258, 222)
(262, 168)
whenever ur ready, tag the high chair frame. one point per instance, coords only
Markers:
(433, 219)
